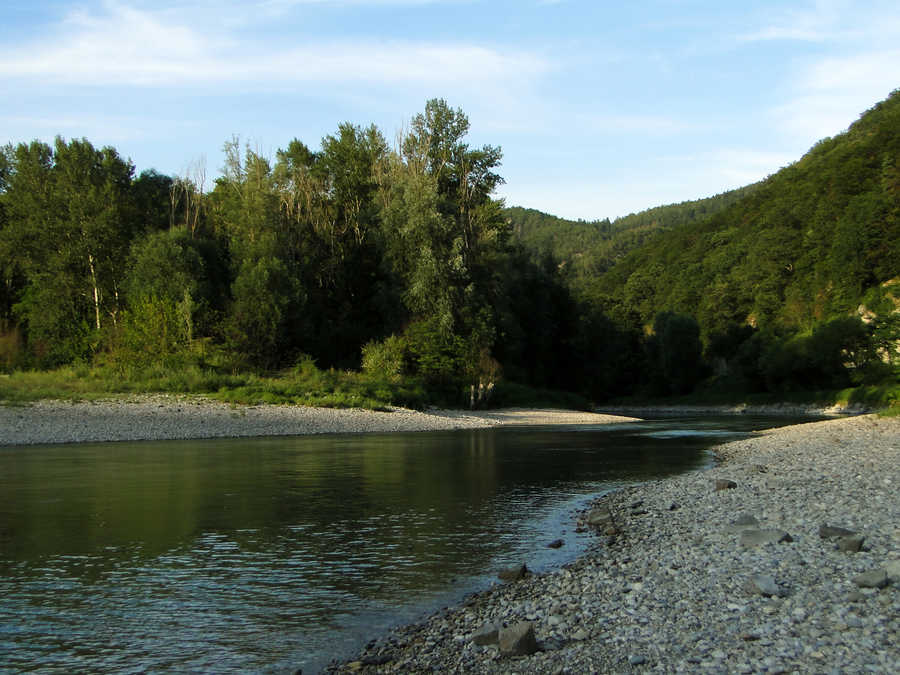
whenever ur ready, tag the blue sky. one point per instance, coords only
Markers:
(601, 108)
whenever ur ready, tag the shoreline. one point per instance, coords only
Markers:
(773, 409)
(700, 577)
(174, 417)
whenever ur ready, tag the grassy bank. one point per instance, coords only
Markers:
(302, 385)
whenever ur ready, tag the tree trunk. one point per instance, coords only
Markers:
(96, 290)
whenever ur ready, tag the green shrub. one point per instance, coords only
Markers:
(386, 359)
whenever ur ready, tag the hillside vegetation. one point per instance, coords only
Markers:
(585, 249)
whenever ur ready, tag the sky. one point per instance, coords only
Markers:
(601, 108)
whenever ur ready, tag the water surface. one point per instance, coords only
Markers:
(270, 555)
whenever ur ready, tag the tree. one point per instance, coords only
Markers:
(444, 231)
(71, 216)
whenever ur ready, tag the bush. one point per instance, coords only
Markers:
(437, 355)
(386, 359)
(151, 334)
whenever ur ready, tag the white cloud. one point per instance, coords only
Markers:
(127, 46)
(832, 92)
(853, 64)
(818, 22)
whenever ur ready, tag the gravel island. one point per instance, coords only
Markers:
(170, 417)
(784, 557)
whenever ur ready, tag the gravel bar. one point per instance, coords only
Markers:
(783, 558)
(170, 417)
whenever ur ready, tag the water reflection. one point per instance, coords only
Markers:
(274, 554)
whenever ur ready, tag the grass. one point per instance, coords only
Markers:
(302, 385)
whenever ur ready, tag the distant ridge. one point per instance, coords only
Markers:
(592, 247)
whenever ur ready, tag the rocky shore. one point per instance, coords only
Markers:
(785, 557)
(170, 417)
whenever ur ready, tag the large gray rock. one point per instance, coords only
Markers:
(751, 538)
(743, 522)
(833, 532)
(763, 584)
(601, 518)
(513, 573)
(850, 544)
(488, 634)
(518, 640)
(892, 568)
(872, 579)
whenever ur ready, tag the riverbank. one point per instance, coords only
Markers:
(725, 570)
(171, 417)
(788, 409)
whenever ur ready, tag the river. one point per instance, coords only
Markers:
(276, 554)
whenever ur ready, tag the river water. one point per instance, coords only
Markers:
(270, 555)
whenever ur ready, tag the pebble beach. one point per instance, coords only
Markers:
(783, 558)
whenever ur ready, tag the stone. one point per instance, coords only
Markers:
(518, 639)
(638, 504)
(763, 584)
(580, 634)
(636, 660)
(674, 506)
(513, 573)
(488, 634)
(850, 544)
(751, 538)
(600, 517)
(725, 484)
(556, 543)
(833, 532)
(745, 520)
(379, 660)
(893, 570)
(872, 579)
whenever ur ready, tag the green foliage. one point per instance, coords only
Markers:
(70, 219)
(266, 298)
(804, 246)
(153, 331)
(585, 249)
(386, 359)
(436, 355)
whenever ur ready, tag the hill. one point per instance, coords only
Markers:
(810, 243)
(584, 249)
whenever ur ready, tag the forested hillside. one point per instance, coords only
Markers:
(585, 249)
(402, 263)
(811, 249)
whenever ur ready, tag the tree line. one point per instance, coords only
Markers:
(352, 254)
(402, 262)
